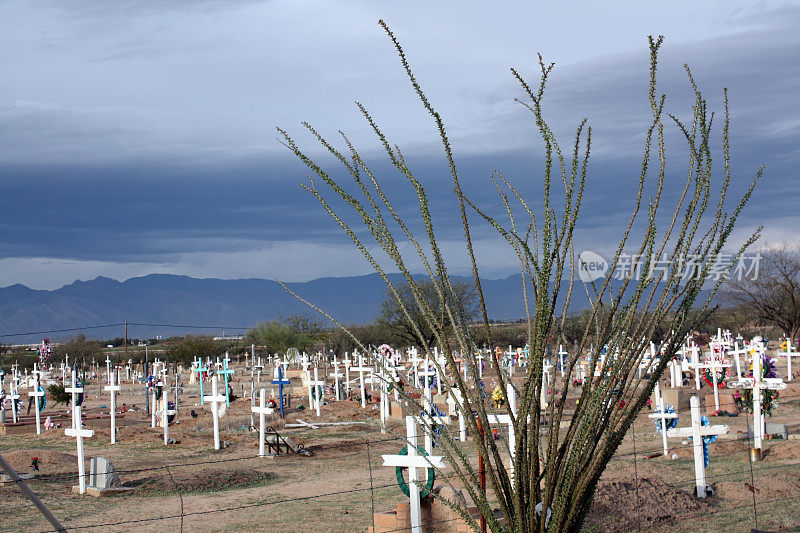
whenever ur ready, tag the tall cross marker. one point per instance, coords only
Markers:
(757, 384)
(215, 400)
(113, 388)
(36, 394)
(79, 433)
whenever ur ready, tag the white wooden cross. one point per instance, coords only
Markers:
(479, 363)
(262, 411)
(788, 354)
(506, 419)
(165, 414)
(108, 370)
(697, 431)
(36, 394)
(216, 398)
(757, 384)
(712, 363)
(430, 418)
(662, 414)
(736, 352)
(454, 399)
(361, 369)
(317, 386)
(346, 362)
(694, 364)
(336, 376)
(113, 388)
(74, 390)
(79, 433)
(561, 354)
(413, 461)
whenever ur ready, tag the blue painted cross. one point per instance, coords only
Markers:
(201, 369)
(280, 382)
(226, 372)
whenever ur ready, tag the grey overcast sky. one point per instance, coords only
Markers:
(139, 137)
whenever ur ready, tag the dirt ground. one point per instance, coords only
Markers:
(341, 481)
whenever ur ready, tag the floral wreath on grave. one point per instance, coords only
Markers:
(671, 423)
(425, 489)
(385, 351)
(272, 403)
(316, 391)
(707, 439)
(721, 375)
(769, 397)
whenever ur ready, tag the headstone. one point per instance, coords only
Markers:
(102, 474)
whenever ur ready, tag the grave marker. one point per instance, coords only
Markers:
(79, 433)
(113, 388)
(697, 431)
(413, 460)
(215, 400)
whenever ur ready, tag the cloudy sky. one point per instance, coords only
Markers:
(139, 137)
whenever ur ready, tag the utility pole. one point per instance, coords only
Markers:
(126, 340)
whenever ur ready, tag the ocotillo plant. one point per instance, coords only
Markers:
(555, 470)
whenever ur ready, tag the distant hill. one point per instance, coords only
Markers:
(161, 299)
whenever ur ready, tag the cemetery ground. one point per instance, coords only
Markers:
(341, 481)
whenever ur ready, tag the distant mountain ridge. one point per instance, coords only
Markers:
(165, 299)
(181, 300)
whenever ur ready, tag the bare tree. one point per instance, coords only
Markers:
(406, 319)
(772, 295)
(553, 468)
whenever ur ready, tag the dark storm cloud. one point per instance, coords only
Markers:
(139, 137)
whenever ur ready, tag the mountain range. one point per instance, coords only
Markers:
(161, 304)
(157, 302)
